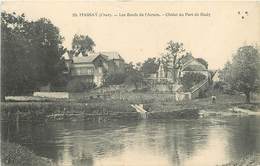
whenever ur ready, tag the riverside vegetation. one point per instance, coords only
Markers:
(81, 109)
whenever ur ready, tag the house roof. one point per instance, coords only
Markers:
(80, 58)
(111, 55)
(194, 68)
(187, 58)
(85, 59)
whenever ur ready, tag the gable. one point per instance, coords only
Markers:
(194, 66)
(86, 59)
(112, 55)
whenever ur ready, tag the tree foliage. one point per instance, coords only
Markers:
(115, 79)
(78, 85)
(134, 77)
(83, 44)
(31, 53)
(243, 73)
(150, 66)
(190, 79)
(174, 51)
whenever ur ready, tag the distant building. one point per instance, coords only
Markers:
(216, 76)
(164, 77)
(186, 64)
(189, 64)
(93, 66)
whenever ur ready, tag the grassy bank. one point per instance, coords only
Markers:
(161, 102)
(13, 155)
(157, 105)
(42, 111)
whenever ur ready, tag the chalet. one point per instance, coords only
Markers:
(186, 64)
(190, 64)
(94, 66)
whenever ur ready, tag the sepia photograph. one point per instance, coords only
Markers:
(130, 83)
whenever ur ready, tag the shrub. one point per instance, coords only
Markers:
(77, 85)
(190, 79)
(13, 154)
(219, 86)
(115, 79)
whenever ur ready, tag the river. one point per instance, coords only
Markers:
(205, 141)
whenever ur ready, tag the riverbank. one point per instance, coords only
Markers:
(68, 111)
(14, 154)
(107, 110)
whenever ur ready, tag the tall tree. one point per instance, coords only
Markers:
(30, 54)
(243, 73)
(174, 51)
(83, 44)
(150, 66)
(133, 75)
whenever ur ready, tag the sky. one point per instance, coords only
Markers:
(214, 38)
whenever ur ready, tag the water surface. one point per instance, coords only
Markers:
(207, 141)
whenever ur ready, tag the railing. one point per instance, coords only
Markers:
(199, 86)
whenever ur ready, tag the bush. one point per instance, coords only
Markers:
(190, 79)
(115, 79)
(13, 154)
(79, 86)
(202, 94)
(219, 86)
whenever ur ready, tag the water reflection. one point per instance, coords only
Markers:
(158, 143)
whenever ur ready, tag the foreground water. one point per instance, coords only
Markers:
(207, 141)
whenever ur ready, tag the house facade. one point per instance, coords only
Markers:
(189, 64)
(164, 77)
(94, 66)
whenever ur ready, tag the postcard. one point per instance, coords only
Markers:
(128, 83)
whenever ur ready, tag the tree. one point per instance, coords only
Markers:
(190, 79)
(243, 73)
(30, 54)
(203, 61)
(133, 75)
(174, 51)
(115, 79)
(83, 44)
(77, 85)
(150, 66)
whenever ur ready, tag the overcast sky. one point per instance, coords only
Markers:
(214, 38)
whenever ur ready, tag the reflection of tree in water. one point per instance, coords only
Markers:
(76, 142)
(80, 143)
(83, 161)
(183, 137)
(174, 139)
(37, 137)
(245, 137)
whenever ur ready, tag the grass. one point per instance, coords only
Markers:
(17, 155)
(223, 103)
(117, 104)
(42, 111)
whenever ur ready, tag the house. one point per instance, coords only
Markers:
(164, 77)
(186, 64)
(116, 63)
(189, 64)
(93, 66)
(216, 76)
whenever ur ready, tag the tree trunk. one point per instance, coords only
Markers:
(247, 97)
